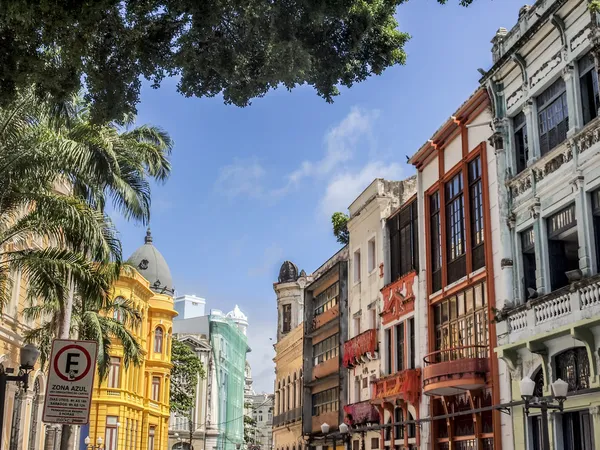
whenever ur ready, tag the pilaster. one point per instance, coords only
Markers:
(530, 111)
(541, 249)
(583, 226)
(574, 119)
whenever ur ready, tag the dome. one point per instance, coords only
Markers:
(288, 272)
(237, 315)
(149, 262)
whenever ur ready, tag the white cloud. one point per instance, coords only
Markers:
(347, 185)
(271, 256)
(242, 177)
(340, 142)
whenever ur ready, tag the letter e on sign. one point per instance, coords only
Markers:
(70, 382)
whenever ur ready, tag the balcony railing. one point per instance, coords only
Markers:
(405, 384)
(361, 413)
(290, 416)
(449, 369)
(363, 345)
(570, 304)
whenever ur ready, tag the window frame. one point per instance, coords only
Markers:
(324, 301)
(435, 240)
(286, 318)
(114, 372)
(543, 109)
(476, 217)
(155, 393)
(520, 127)
(326, 349)
(159, 343)
(585, 71)
(325, 401)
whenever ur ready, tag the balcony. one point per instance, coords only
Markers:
(361, 413)
(327, 316)
(569, 305)
(360, 348)
(398, 298)
(405, 385)
(455, 370)
(288, 417)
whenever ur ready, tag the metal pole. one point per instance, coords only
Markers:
(334, 448)
(2, 402)
(545, 431)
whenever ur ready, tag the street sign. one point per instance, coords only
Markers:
(70, 382)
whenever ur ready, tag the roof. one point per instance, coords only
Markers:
(151, 264)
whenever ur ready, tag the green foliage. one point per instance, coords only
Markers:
(595, 6)
(339, 221)
(57, 173)
(186, 370)
(249, 430)
(237, 48)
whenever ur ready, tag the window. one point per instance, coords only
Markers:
(553, 116)
(455, 228)
(156, 389)
(577, 430)
(117, 313)
(327, 299)
(573, 367)
(461, 321)
(326, 349)
(374, 443)
(356, 262)
(356, 445)
(35, 408)
(588, 81)
(476, 199)
(113, 372)
(158, 340)
(388, 351)
(529, 266)
(287, 319)
(411, 343)
(404, 247)
(325, 401)
(399, 330)
(151, 433)
(521, 144)
(365, 382)
(371, 256)
(356, 326)
(373, 314)
(110, 436)
(596, 219)
(436, 241)
(398, 418)
(563, 246)
(357, 389)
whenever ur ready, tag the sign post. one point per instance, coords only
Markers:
(70, 382)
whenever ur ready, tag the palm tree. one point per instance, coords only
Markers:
(43, 146)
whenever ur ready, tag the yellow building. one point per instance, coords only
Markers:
(130, 408)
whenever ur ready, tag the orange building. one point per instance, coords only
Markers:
(460, 372)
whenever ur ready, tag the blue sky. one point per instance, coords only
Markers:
(252, 187)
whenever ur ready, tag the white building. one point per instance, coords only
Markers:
(362, 351)
(544, 84)
(262, 413)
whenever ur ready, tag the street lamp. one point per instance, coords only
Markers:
(559, 393)
(28, 356)
(345, 432)
(88, 441)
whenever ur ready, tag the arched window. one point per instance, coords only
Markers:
(388, 430)
(35, 407)
(158, 340)
(573, 367)
(16, 420)
(117, 314)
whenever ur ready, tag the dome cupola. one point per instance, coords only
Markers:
(288, 272)
(151, 264)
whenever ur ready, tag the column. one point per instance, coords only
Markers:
(541, 250)
(584, 223)
(276, 406)
(574, 118)
(533, 138)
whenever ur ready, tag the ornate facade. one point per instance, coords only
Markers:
(130, 408)
(544, 85)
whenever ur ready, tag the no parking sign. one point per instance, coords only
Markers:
(70, 382)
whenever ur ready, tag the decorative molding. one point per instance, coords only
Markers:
(546, 68)
(517, 58)
(589, 137)
(521, 184)
(580, 37)
(595, 410)
(515, 97)
(535, 209)
(553, 164)
(559, 24)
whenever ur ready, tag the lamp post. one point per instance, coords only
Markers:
(345, 432)
(28, 356)
(559, 393)
(88, 441)
(325, 431)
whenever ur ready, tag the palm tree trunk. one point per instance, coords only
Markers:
(67, 440)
